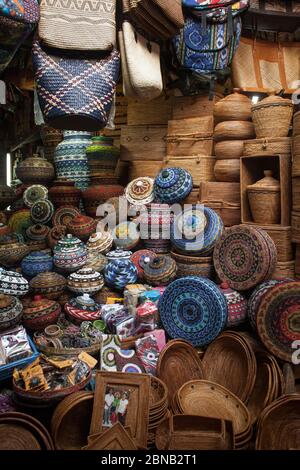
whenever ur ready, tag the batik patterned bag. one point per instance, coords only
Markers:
(207, 49)
(75, 94)
(26, 11)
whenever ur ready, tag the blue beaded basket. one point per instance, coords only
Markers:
(196, 231)
(119, 273)
(194, 309)
(172, 185)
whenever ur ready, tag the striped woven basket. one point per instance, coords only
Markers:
(75, 94)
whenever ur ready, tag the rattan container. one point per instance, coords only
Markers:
(268, 146)
(264, 200)
(234, 107)
(227, 170)
(272, 117)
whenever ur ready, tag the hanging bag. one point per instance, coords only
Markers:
(75, 94)
(24, 11)
(78, 25)
(141, 59)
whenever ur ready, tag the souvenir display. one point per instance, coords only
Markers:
(149, 225)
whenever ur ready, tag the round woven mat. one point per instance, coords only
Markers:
(193, 308)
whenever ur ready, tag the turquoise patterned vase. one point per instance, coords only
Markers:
(102, 156)
(70, 158)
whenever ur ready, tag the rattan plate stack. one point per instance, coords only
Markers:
(19, 431)
(188, 432)
(279, 425)
(158, 410)
(71, 421)
(230, 361)
(209, 399)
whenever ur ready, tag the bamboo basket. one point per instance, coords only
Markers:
(155, 112)
(229, 213)
(229, 149)
(193, 266)
(194, 106)
(143, 143)
(296, 124)
(282, 237)
(146, 168)
(190, 136)
(272, 117)
(227, 170)
(220, 192)
(295, 227)
(234, 130)
(271, 146)
(201, 167)
(285, 269)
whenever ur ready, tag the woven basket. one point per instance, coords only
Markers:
(193, 197)
(71, 420)
(146, 168)
(229, 213)
(92, 350)
(296, 124)
(297, 262)
(272, 117)
(295, 227)
(211, 191)
(296, 156)
(234, 130)
(227, 170)
(285, 269)
(143, 143)
(192, 136)
(296, 193)
(268, 146)
(282, 237)
(154, 112)
(229, 149)
(201, 167)
(193, 266)
(230, 361)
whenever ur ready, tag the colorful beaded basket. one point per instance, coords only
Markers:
(172, 185)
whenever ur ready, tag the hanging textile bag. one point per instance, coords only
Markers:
(209, 48)
(75, 94)
(78, 25)
(25, 11)
(140, 64)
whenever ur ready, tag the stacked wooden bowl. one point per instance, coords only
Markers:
(230, 361)
(71, 421)
(158, 410)
(279, 425)
(19, 431)
(233, 125)
(209, 399)
(188, 432)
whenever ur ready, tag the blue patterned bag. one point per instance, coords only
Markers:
(206, 49)
(75, 94)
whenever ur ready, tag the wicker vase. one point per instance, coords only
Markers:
(64, 192)
(264, 200)
(35, 169)
(70, 158)
(102, 156)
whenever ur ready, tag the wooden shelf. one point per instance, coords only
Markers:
(34, 137)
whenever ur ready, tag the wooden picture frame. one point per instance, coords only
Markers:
(134, 391)
(115, 438)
